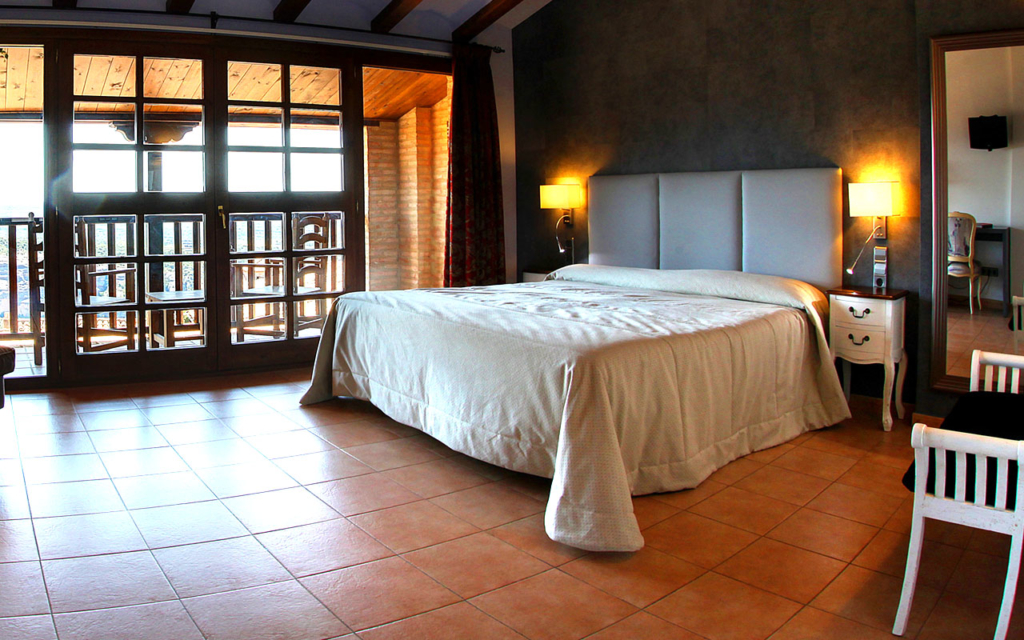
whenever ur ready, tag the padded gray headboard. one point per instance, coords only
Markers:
(784, 223)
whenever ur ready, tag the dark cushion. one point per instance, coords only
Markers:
(1000, 415)
(6, 360)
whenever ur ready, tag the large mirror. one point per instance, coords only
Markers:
(978, 199)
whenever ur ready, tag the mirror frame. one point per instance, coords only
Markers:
(940, 380)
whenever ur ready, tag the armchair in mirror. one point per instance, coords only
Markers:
(978, 199)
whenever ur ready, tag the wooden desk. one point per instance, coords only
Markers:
(999, 234)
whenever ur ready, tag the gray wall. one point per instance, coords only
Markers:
(690, 85)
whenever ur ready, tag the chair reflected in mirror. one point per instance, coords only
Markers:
(960, 253)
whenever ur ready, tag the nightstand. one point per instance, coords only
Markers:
(866, 327)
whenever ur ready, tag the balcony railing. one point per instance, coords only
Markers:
(21, 281)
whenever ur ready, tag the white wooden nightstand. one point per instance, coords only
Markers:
(866, 327)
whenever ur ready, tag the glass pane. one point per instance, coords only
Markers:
(22, 188)
(172, 124)
(175, 281)
(254, 81)
(257, 322)
(105, 284)
(318, 230)
(104, 236)
(172, 78)
(257, 277)
(175, 234)
(255, 171)
(315, 85)
(175, 171)
(319, 274)
(103, 171)
(111, 331)
(309, 317)
(107, 76)
(104, 123)
(315, 128)
(316, 172)
(252, 232)
(255, 126)
(176, 328)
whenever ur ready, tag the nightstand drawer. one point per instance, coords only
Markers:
(848, 310)
(858, 342)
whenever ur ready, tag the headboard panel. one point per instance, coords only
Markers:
(624, 224)
(786, 223)
(793, 224)
(701, 217)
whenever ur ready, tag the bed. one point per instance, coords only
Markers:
(637, 374)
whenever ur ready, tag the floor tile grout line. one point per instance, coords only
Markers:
(848, 563)
(35, 536)
(148, 550)
(250, 533)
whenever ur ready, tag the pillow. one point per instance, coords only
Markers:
(984, 413)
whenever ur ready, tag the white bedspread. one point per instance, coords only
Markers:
(611, 381)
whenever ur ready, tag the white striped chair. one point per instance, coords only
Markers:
(989, 372)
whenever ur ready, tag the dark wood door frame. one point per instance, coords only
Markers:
(940, 380)
(59, 42)
(51, 257)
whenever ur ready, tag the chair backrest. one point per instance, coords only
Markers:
(960, 241)
(963, 506)
(996, 372)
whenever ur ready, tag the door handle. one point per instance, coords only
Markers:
(223, 216)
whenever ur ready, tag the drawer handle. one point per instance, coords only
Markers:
(866, 339)
(863, 315)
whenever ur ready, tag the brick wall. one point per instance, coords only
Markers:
(441, 112)
(407, 190)
(381, 189)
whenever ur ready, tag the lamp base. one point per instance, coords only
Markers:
(881, 228)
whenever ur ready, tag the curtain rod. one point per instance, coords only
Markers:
(215, 17)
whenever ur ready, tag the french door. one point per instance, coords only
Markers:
(207, 214)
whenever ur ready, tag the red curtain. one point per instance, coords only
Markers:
(475, 229)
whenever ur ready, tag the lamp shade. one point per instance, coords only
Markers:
(560, 196)
(871, 199)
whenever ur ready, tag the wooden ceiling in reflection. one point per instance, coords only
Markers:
(389, 94)
(21, 79)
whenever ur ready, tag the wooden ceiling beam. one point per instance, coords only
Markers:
(392, 14)
(179, 6)
(289, 10)
(485, 17)
(65, 4)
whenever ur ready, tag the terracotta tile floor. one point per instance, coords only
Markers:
(985, 329)
(221, 509)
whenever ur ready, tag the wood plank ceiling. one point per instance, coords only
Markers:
(388, 94)
(21, 73)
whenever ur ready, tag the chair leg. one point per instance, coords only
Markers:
(1017, 328)
(970, 294)
(1010, 588)
(910, 576)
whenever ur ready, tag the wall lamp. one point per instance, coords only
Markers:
(873, 200)
(566, 197)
